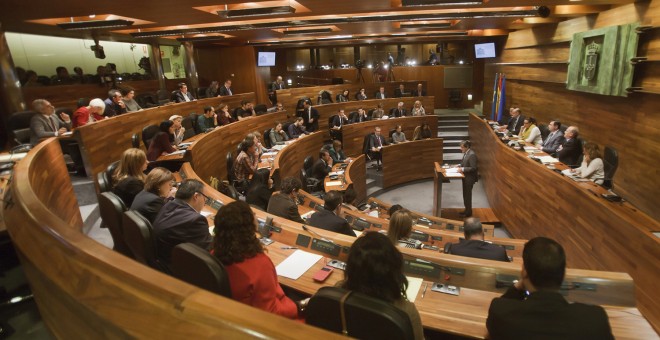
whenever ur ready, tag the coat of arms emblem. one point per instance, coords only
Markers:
(591, 61)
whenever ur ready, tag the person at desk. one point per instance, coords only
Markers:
(469, 170)
(260, 189)
(157, 190)
(515, 121)
(474, 245)
(182, 95)
(213, 90)
(569, 152)
(277, 135)
(361, 116)
(224, 117)
(530, 133)
(381, 93)
(343, 96)
(337, 152)
(401, 91)
(251, 273)
(378, 112)
(400, 228)
(128, 179)
(245, 111)
(114, 106)
(533, 308)
(128, 100)
(399, 111)
(418, 109)
(311, 117)
(419, 92)
(362, 95)
(283, 204)
(247, 160)
(180, 221)
(208, 121)
(376, 143)
(225, 90)
(179, 131)
(160, 144)
(261, 149)
(278, 84)
(555, 138)
(90, 113)
(328, 217)
(349, 199)
(398, 136)
(375, 267)
(422, 132)
(297, 129)
(322, 167)
(592, 164)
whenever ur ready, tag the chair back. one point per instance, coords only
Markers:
(19, 124)
(352, 116)
(260, 109)
(230, 167)
(135, 140)
(198, 267)
(266, 139)
(138, 238)
(365, 317)
(610, 164)
(103, 181)
(308, 162)
(365, 145)
(110, 171)
(201, 92)
(112, 208)
(148, 133)
(544, 131)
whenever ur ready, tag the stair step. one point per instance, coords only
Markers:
(453, 122)
(450, 143)
(373, 190)
(456, 116)
(451, 149)
(453, 135)
(452, 158)
(452, 128)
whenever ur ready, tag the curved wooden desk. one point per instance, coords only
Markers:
(595, 233)
(410, 161)
(353, 134)
(355, 176)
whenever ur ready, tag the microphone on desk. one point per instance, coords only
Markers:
(316, 235)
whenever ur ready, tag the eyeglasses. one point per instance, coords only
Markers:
(201, 193)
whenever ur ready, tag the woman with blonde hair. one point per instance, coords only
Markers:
(158, 188)
(592, 165)
(129, 177)
(400, 228)
(418, 109)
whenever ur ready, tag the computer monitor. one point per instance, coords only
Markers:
(266, 59)
(486, 50)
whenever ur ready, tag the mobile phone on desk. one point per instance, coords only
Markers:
(323, 274)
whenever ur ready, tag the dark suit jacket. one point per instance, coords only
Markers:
(381, 95)
(337, 156)
(315, 115)
(570, 152)
(373, 141)
(180, 97)
(160, 144)
(327, 220)
(275, 86)
(283, 206)
(258, 196)
(399, 94)
(148, 204)
(320, 170)
(127, 189)
(338, 120)
(112, 108)
(417, 94)
(224, 91)
(514, 125)
(479, 249)
(395, 112)
(359, 118)
(177, 222)
(553, 142)
(545, 315)
(40, 127)
(469, 164)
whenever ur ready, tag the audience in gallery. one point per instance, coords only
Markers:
(419, 92)
(474, 245)
(362, 95)
(322, 167)
(310, 116)
(208, 121)
(129, 102)
(533, 308)
(128, 179)
(283, 204)
(418, 109)
(182, 94)
(570, 151)
(213, 90)
(328, 218)
(592, 165)
(177, 137)
(157, 190)
(245, 111)
(260, 189)
(401, 91)
(343, 96)
(376, 143)
(378, 112)
(400, 229)
(224, 117)
(398, 136)
(337, 152)
(554, 139)
(160, 144)
(277, 135)
(530, 133)
(381, 93)
(90, 113)
(398, 111)
(251, 272)
(180, 221)
(297, 129)
(349, 199)
(247, 160)
(361, 116)
(375, 267)
(225, 90)
(113, 104)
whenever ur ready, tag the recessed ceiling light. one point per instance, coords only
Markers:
(258, 11)
(95, 24)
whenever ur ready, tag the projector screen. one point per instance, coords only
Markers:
(266, 59)
(486, 50)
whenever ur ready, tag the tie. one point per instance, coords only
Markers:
(229, 90)
(52, 123)
(549, 138)
(379, 142)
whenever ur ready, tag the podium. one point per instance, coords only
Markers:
(440, 175)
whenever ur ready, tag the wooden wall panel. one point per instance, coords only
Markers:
(557, 53)
(407, 162)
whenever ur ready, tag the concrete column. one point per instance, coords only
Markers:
(191, 69)
(157, 65)
(11, 96)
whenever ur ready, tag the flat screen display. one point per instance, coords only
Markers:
(266, 59)
(486, 50)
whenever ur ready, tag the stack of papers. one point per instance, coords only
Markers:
(333, 183)
(414, 284)
(530, 148)
(453, 172)
(548, 159)
(279, 147)
(178, 152)
(297, 264)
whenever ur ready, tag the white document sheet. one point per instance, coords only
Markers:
(548, 159)
(297, 264)
(333, 183)
(414, 285)
(178, 152)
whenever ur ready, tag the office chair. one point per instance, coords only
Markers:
(363, 317)
(611, 164)
(103, 181)
(19, 125)
(138, 236)
(148, 133)
(112, 208)
(266, 139)
(135, 140)
(198, 267)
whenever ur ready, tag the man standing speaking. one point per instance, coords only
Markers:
(469, 169)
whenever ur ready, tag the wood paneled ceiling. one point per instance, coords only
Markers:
(352, 22)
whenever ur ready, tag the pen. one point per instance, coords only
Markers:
(424, 291)
(289, 248)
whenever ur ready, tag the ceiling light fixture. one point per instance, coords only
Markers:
(308, 31)
(201, 39)
(259, 11)
(411, 3)
(95, 24)
(434, 25)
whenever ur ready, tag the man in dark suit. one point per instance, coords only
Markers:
(469, 169)
(180, 221)
(474, 245)
(569, 152)
(401, 91)
(376, 143)
(283, 204)
(113, 104)
(419, 92)
(515, 121)
(278, 84)
(381, 93)
(554, 139)
(337, 124)
(322, 167)
(46, 124)
(328, 217)
(182, 95)
(310, 116)
(399, 111)
(544, 314)
(225, 90)
(361, 116)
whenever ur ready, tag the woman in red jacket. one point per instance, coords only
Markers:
(252, 275)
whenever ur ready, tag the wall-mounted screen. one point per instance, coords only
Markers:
(266, 59)
(486, 50)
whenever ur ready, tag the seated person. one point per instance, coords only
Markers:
(394, 208)
(283, 204)
(424, 132)
(208, 121)
(343, 96)
(400, 228)
(381, 93)
(592, 165)
(419, 92)
(224, 117)
(157, 190)
(260, 189)
(361, 116)
(515, 121)
(113, 104)
(530, 133)
(418, 109)
(277, 135)
(569, 152)
(245, 111)
(322, 167)
(362, 95)
(361, 274)
(376, 143)
(474, 245)
(180, 221)
(399, 111)
(182, 94)
(128, 179)
(251, 273)
(349, 199)
(328, 217)
(90, 113)
(213, 90)
(179, 130)
(401, 91)
(544, 313)
(160, 144)
(247, 160)
(554, 139)
(378, 113)
(398, 136)
(127, 99)
(260, 145)
(225, 90)
(297, 129)
(337, 152)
